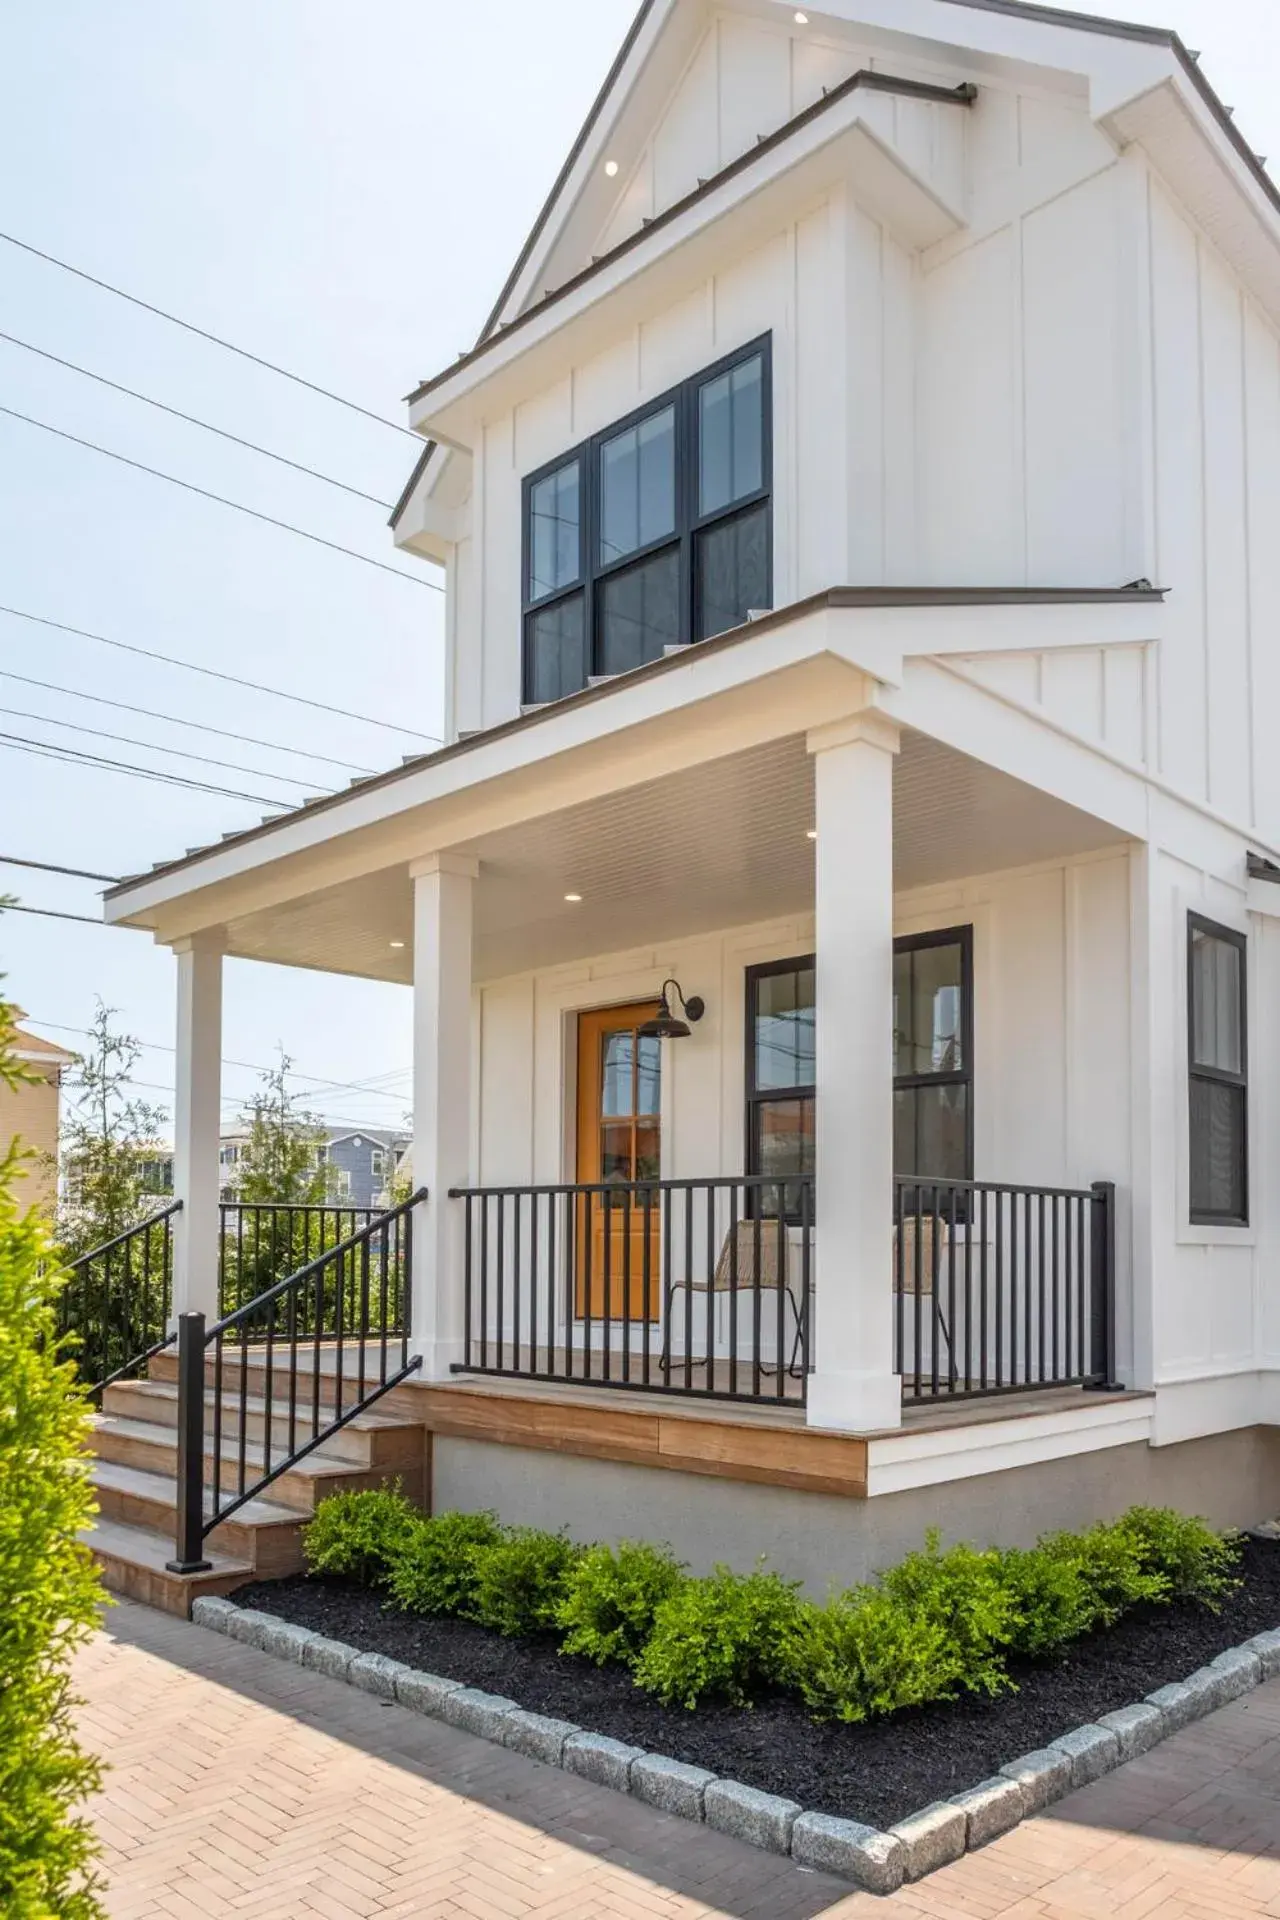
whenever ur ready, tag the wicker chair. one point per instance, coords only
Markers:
(735, 1272)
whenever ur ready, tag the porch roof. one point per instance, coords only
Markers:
(812, 669)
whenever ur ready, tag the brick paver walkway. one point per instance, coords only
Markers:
(242, 1786)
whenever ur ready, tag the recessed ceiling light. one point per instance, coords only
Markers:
(573, 898)
(802, 19)
(611, 168)
(397, 943)
(811, 833)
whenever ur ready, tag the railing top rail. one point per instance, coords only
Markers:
(108, 1246)
(923, 1183)
(298, 1206)
(716, 1181)
(324, 1259)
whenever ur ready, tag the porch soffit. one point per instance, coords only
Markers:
(713, 846)
(776, 675)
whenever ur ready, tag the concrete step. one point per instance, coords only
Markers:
(133, 1559)
(153, 1448)
(262, 1534)
(371, 1439)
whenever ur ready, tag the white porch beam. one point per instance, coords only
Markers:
(443, 902)
(197, 1114)
(854, 1386)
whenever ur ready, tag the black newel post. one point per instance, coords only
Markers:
(1102, 1262)
(189, 1546)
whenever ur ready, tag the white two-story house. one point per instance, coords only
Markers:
(844, 923)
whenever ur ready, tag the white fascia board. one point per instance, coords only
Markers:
(437, 513)
(931, 1456)
(661, 267)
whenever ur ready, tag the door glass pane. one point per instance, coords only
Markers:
(640, 613)
(648, 1157)
(615, 1151)
(617, 1053)
(784, 1029)
(1217, 1149)
(930, 1132)
(557, 653)
(928, 1024)
(1216, 994)
(638, 486)
(732, 572)
(648, 1074)
(555, 523)
(731, 436)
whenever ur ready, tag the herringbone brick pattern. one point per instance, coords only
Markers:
(242, 1786)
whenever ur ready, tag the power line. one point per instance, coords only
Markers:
(180, 753)
(48, 913)
(180, 720)
(212, 673)
(192, 420)
(249, 1066)
(189, 486)
(45, 749)
(75, 873)
(188, 327)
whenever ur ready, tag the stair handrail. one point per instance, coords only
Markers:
(393, 1229)
(81, 1268)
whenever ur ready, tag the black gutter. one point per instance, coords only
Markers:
(961, 96)
(830, 598)
(419, 468)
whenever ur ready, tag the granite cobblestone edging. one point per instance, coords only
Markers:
(879, 1862)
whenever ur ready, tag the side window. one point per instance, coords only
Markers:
(1218, 1064)
(781, 1014)
(652, 534)
(933, 1055)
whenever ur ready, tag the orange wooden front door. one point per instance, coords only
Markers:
(619, 1140)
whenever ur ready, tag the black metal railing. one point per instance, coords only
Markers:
(260, 1243)
(117, 1298)
(1002, 1289)
(698, 1287)
(275, 1378)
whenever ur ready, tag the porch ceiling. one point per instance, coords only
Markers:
(718, 845)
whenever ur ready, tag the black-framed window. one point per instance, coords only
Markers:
(933, 1054)
(781, 1008)
(1218, 1073)
(653, 533)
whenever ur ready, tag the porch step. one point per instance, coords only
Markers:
(163, 1367)
(132, 1560)
(264, 1535)
(153, 1448)
(369, 1440)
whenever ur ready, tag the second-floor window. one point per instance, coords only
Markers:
(1218, 1050)
(654, 533)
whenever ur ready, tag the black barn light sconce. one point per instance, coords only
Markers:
(667, 1025)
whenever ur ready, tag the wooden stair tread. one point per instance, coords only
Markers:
(317, 1464)
(256, 1405)
(143, 1548)
(160, 1487)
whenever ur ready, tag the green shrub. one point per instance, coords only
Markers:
(1052, 1602)
(961, 1591)
(49, 1591)
(724, 1636)
(521, 1579)
(1114, 1568)
(434, 1570)
(612, 1597)
(1197, 1563)
(359, 1534)
(865, 1653)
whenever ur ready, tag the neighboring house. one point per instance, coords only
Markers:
(859, 530)
(362, 1164)
(29, 1112)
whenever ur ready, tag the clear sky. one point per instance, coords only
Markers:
(340, 189)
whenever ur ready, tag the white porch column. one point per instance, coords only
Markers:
(197, 1114)
(854, 1386)
(443, 890)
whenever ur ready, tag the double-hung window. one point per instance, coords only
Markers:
(654, 533)
(1218, 1061)
(781, 1012)
(933, 1054)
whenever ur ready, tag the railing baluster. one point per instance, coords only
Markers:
(710, 1350)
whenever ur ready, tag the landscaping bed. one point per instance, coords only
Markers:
(876, 1772)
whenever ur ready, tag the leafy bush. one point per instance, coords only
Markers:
(434, 1570)
(865, 1653)
(727, 1636)
(1116, 1572)
(521, 1579)
(359, 1534)
(1197, 1563)
(612, 1596)
(49, 1592)
(1051, 1599)
(960, 1591)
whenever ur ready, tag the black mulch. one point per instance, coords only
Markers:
(877, 1773)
